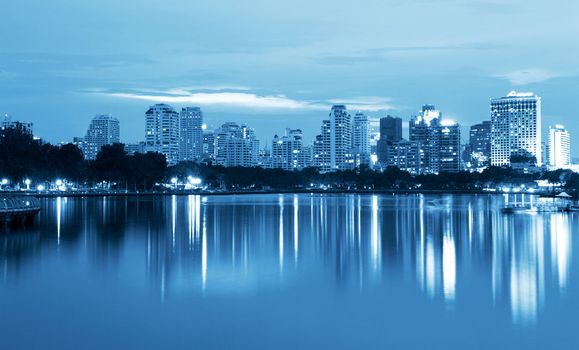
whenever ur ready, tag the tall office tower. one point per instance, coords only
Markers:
(439, 141)
(340, 137)
(360, 136)
(480, 144)
(390, 132)
(446, 147)
(191, 133)
(103, 130)
(516, 128)
(422, 129)
(559, 147)
(321, 148)
(9, 123)
(162, 132)
(236, 145)
(286, 151)
(208, 145)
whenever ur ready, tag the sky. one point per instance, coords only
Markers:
(277, 64)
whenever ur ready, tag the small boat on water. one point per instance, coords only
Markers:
(16, 210)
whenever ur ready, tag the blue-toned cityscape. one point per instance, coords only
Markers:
(307, 174)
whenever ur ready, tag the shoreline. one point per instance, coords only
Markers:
(229, 193)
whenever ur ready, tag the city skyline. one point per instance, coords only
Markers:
(380, 56)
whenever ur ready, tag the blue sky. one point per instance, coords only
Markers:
(275, 64)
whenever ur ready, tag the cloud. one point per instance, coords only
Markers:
(240, 97)
(527, 76)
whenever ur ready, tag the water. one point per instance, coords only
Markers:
(290, 271)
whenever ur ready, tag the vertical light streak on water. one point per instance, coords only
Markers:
(359, 242)
(540, 252)
(296, 233)
(430, 267)
(58, 213)
(190, 202)
(204, 250)
(449, 266)
(280, 238)
(173, 217)
(561, 248)
(497, 240)
(470, 227)
(375, 241)
(197, 200)
(524, 277)
(420, 264)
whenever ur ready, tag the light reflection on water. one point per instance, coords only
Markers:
(240, 245)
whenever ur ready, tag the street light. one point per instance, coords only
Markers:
(174, 182)
(4, 182)
(27, 183)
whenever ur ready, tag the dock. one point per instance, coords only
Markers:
(18, 211)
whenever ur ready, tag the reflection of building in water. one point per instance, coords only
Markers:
(448, 246)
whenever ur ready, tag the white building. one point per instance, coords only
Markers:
(235, 145)
(287, 151)
(559, 147)
(9, 123)
(103, 130)
(162, 132)
(191, 134)
(340, 137)
(516, 128)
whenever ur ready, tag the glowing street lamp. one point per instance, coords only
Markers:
(174, 182)
(40, 188)
(27, 183)
(4, 182)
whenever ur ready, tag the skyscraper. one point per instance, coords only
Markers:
(191, 133)
(103, 130)
(9, 123)
(516, 128)
(162, 132)
(559, 147)
(321, 148)
(390, 132)
(236, 145)
(439, 141)
(286, 151)
(480, 144)
(340, 137)
(360, 136)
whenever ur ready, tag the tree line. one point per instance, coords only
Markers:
(22, 156)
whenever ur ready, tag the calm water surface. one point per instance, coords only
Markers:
(290, 271)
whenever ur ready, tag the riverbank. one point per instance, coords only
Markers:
(242, 192)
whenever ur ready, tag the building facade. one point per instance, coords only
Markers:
(516, 128)
(190, 134)
(103, 130)
(321, 149)
(162, 132)
(235, 145)
(559, 147)
(390, 132)
(340, 138)
(480, 144)
(287, 151)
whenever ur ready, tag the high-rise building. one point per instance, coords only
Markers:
(480, 144)
(208, 145)
(191, 133)
(340, 137)
(439, 141)
(286, 151)
(236, 145)
(360, 136)
(516, 128)
(162, 132)
(559, 147)
(390, 132)
(321, 148)
(103, 130)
